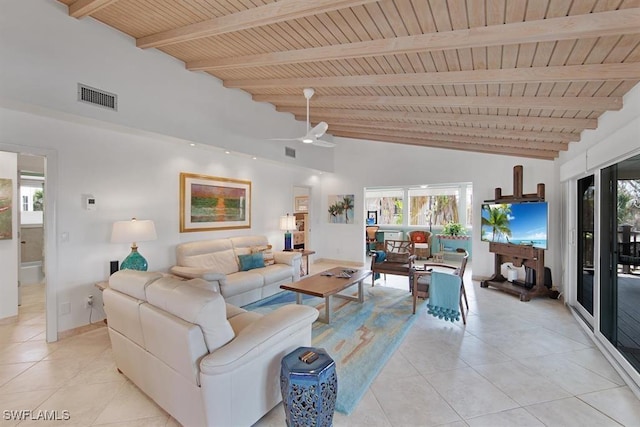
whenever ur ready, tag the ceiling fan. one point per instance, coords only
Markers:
(313, 134)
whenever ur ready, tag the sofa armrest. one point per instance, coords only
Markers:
(251, 342)
(199, 273)
(287, 257)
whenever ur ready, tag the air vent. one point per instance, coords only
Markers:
(97, 97)
(290, 152)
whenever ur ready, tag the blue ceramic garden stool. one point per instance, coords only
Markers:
(309, 390)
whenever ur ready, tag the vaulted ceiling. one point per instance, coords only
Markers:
(512, 77)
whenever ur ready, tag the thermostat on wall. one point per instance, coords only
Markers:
(90, 202)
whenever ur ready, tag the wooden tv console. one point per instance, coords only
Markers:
(519, 255)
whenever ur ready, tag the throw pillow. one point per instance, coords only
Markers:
(418, 238)
(250, 261)
(267, 254)
(402, 257)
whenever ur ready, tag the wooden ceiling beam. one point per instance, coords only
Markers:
(584, 103)
(507, 151)
(558, 137)
(82, 8)
(469, 140)
(567, 73)
(476, 119)
(591, 25)
(271, 13)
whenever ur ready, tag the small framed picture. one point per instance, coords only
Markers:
(372, 217)
(301, 204)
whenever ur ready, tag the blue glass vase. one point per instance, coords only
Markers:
(134, 261)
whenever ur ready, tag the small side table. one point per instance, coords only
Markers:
(101, 287)
(309, 390)
(305, 256)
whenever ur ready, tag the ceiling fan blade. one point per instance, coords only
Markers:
(321, 143)
(319, 129)
(284, 139)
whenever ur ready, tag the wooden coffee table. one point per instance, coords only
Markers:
(328, 287)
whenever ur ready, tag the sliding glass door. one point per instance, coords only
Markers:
(585, 245)
(620, 258)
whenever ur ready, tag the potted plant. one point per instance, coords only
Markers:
(454, 229)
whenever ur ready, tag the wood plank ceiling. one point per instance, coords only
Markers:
(512, 77)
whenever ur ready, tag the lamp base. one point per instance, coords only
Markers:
(134, 261)
(287, 242)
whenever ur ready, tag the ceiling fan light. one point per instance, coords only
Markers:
(307, 140)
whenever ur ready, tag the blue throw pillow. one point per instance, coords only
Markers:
(251, 261)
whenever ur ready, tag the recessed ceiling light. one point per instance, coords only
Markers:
(423, 186)
(227, 152)
(192, 144)
(254, 158)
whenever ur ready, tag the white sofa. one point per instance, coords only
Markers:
(216, 261)
(207, 363)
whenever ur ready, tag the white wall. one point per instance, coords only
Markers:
(9, 248)
(133, 175)
(43, 62)
(617, 136)
(361, 164)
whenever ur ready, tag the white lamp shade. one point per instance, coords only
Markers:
(134, 230)
(287, 222)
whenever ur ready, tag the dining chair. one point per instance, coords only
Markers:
(397, 258)
(370, 236)
(422, 278)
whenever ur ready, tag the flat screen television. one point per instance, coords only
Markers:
(524, 223)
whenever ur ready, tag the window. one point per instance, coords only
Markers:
(469, 193)
(433, 206)
(387, 203)
(32, 197)
(426, 205)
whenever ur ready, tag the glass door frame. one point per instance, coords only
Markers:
(624, 368)
(589, 318)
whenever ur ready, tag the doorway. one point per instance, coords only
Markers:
(31, 276)
(302, 212)
(50, 259)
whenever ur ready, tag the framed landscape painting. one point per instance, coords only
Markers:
(6, 201)
(213, 203)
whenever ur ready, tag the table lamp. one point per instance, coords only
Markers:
(287, 224)
(133, 231)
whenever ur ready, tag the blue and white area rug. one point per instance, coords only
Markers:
(361, 337)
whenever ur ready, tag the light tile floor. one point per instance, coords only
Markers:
(514, 364)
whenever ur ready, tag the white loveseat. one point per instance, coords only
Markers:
(216, 261)
(207, 363)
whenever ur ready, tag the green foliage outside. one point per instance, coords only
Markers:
(398, 218)
(629, 203)
(38, 200)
